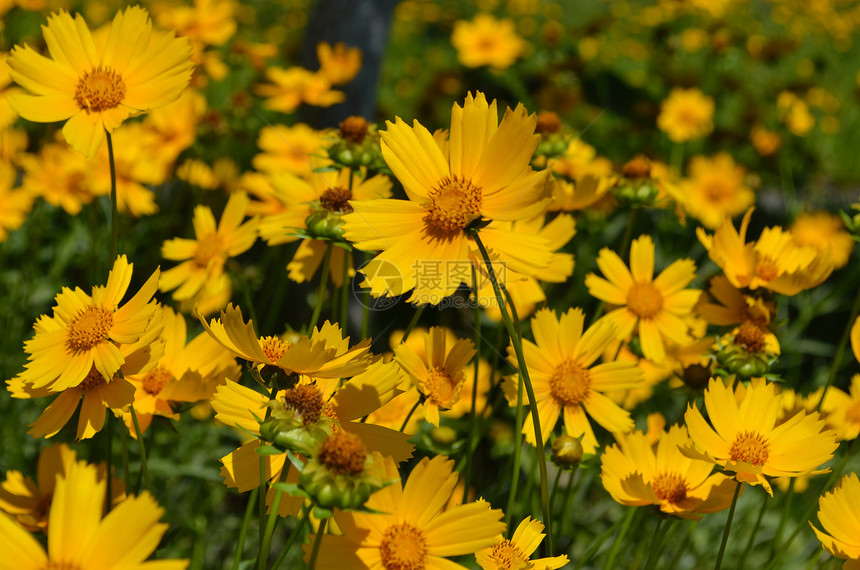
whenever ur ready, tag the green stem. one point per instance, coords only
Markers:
(840, 351)
(523, 367)
(108, 435)
(365, 306)
(412, 323)
(655, 548)
(261, 507)
(598, 542)
(317, 542)
(344, 291)
(780, 529)
(266, 544)
(619, 540)
(555, 486)
(323, 284)
(144, 469)
(518, 452)
(114, 212)
(409, 415)
(126, 472)
(236, 271)
(683, 546)
(243, 531)
(472, 420)
(297, 532)
(728, 527)
(754, 532)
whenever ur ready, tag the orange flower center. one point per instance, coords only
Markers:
(93, 379)
(403, 547)
(343, 453)
(751, 337)
(570, 383)
(306, 400)
(155, 380)
(454, 203)
(506, 556)
(208, 248)
(669, 487)
(645, 300)
(717, 190)
(353, 129)
(88, 327)
(99, 90)
(441, 388)
(337, 200)
(273, 347)
(750, 447)
(767, 269)
(852, 414)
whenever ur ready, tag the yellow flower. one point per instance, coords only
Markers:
(59, 175)
(78, 535)
(747, 438)
(794, 112)
(766, 142)
(171, 129)
(687, 114)
(485, 175)
(655, 307)
(715, 189)
(203, 258)
(411, 527)
(839, 513)
(7, 114)
(734, 307)
(440, 373)
(291, 87)
(27, 500)
(636, 473)
(288, 148)
(565, 380)
(98, 87)
(774, 262)
(338, 63)
(826, 233)
(514, 553)
(487, 41)
(842, 409)
(15, 203)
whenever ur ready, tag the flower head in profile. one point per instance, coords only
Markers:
(567, 382)
(745, 435)
(411, 528)
(482, 173)
(487, 41)
(97, 87)
(839, 514)
(687, 114)
(80, 537)
(655, 307)
(508, 554)
(637, 473)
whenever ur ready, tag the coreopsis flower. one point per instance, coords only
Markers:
(654, 307)
(637, 472)
(203, 258)
(291, 87)
(172, 128)
(86, 331)
(855, 338)
(774, 262)
(78, 535)
(15, 203)
(765, 141)
(13, 144)
(825, 232)
(687, 114)
(340, 64)
(441, 373)
(841, 409)
(187, 372)
(288, 149)
(484, 175)
(411, 527)
(98, 86)
(567, 383)
(515, 552)
(7, 114)
(588, 177)
(205, 23)
(727, 305)
(794, 113)
(747, 438)
(487, 41)
(839, 514)
(59, 175)
(714, 190)
(28, 501)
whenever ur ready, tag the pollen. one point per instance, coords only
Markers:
(403, 547)
(767, 269)
(353, 129)
(645, 300)
(343, 453)
(670, 487)
(751, 337)
(750, 447)
(453, 205)
(156, 379)
(306, 400)
(336, 200)
(441, 388)
(208, 248)
(570, 383)
(273, 347)
(88, 327)
(100, 90)
(93, 379)
(506, 556)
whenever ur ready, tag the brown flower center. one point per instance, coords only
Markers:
(547, 122)
(336, 200)
(645, 300)
(88, 327)
(750, 447)
(93, 379)
(99, 90)
(453, 205)
(751, 337)
(208, 248)
(353, 129)
(669, 487)
(156, 379)
(403, 547)
(570, 383)
(441, 388)
(506, 556)
(637, 168)
(343, 453)
(767, 269)
(273, 347)
(306, 400)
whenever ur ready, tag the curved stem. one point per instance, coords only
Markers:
(523, 367)
(114, 212)
(653, 555)
(266, 545)
(296, 534)
(728, 527)
(476, 339)
(243, 531)
(144, 469)
(597, 543)
(317, 542)
(754, 532)
(323, 284)
(412, 323)
(840, 351)
(409, 415)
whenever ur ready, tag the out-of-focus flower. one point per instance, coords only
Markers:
(715, 189)
(291, 87)
(794, 112)
(839, 513)
(288, 149)
(339, 64)
(826, 233)
(15, 203)
(7, 114)
(487, 41)
(687, 114)
(766, 142)
(59, 175)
